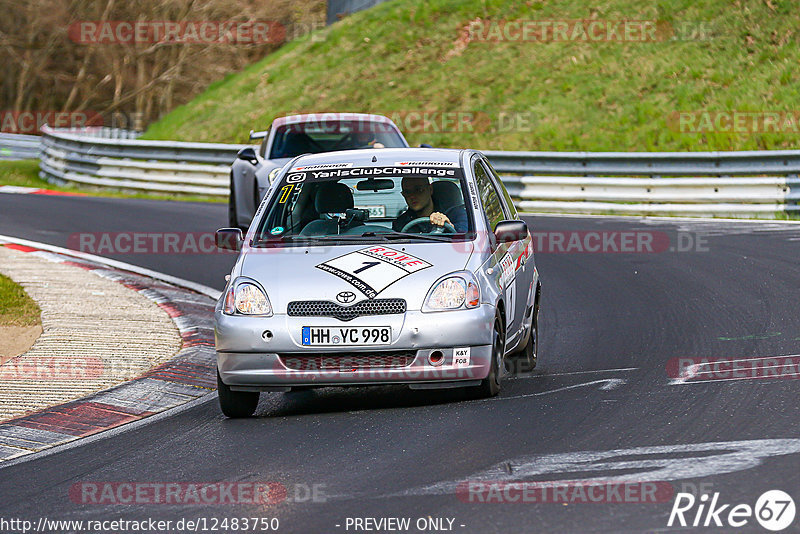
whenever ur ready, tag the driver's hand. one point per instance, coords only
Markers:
(439, 219)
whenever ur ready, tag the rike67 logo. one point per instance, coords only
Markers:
(774, 510)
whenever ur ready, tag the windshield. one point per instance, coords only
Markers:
(292, 140)
(340, 202)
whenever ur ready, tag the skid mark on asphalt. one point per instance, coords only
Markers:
(652, 464)
(637, 465)
(751, 337)
(520, 377)
(607, 385)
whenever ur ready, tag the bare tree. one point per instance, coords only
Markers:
(48, 67)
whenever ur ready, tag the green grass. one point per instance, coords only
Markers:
(405, 56)
(26, 173)
(16, 307)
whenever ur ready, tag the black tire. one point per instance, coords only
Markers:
(233, 221)
(525, 360)
(490, 386)
(236, 403)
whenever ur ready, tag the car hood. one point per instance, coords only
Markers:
(268, 165)
(277, 162)
(399, 270)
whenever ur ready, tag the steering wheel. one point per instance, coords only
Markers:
(437, 229)
(345, 143)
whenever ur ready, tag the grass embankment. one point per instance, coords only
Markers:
(403, 57)
(16, 307)
(26, 173)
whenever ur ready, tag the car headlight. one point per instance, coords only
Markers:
(246, 298)
(452, 293)
(273, 173)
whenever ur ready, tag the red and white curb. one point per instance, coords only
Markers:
(185, 378)
(21, 190)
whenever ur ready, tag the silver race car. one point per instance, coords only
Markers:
(398, 266)
(291, 136)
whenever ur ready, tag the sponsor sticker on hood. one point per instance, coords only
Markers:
(425, 163)
(373, 269)
(322, 166)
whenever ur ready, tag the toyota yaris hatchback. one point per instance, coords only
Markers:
(398, 266)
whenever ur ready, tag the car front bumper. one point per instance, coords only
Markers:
(248, 358)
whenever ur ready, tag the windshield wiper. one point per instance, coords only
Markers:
(307, 238)
(393, 234)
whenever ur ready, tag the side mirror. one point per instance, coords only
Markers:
(248, 154)
(229, 239)
(507, 231)
(425, 145)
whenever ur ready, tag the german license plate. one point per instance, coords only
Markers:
(346, 337)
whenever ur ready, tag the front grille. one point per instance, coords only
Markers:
(346, 361)
(325, 308)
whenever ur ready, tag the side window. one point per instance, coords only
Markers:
(489, 199)
(512, 209)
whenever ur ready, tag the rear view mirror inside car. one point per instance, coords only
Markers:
(375, 184)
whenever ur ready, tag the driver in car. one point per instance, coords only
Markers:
(418, 193)
(365, 139)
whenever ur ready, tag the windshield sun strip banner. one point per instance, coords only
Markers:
(373, 172)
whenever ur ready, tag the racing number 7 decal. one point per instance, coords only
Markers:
(366, 265)
(285, 190)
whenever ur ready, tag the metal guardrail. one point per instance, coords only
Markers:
(18, 146)
(156, 166)
(745, 184)
(757, 183)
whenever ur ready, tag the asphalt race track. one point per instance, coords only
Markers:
(610, 323)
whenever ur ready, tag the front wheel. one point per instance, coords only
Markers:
(236, 403)
(525, 360)
(490, 386)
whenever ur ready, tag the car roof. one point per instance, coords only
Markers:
(324, 117)
(383, 157)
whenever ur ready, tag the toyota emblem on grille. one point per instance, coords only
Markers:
(346, 297)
